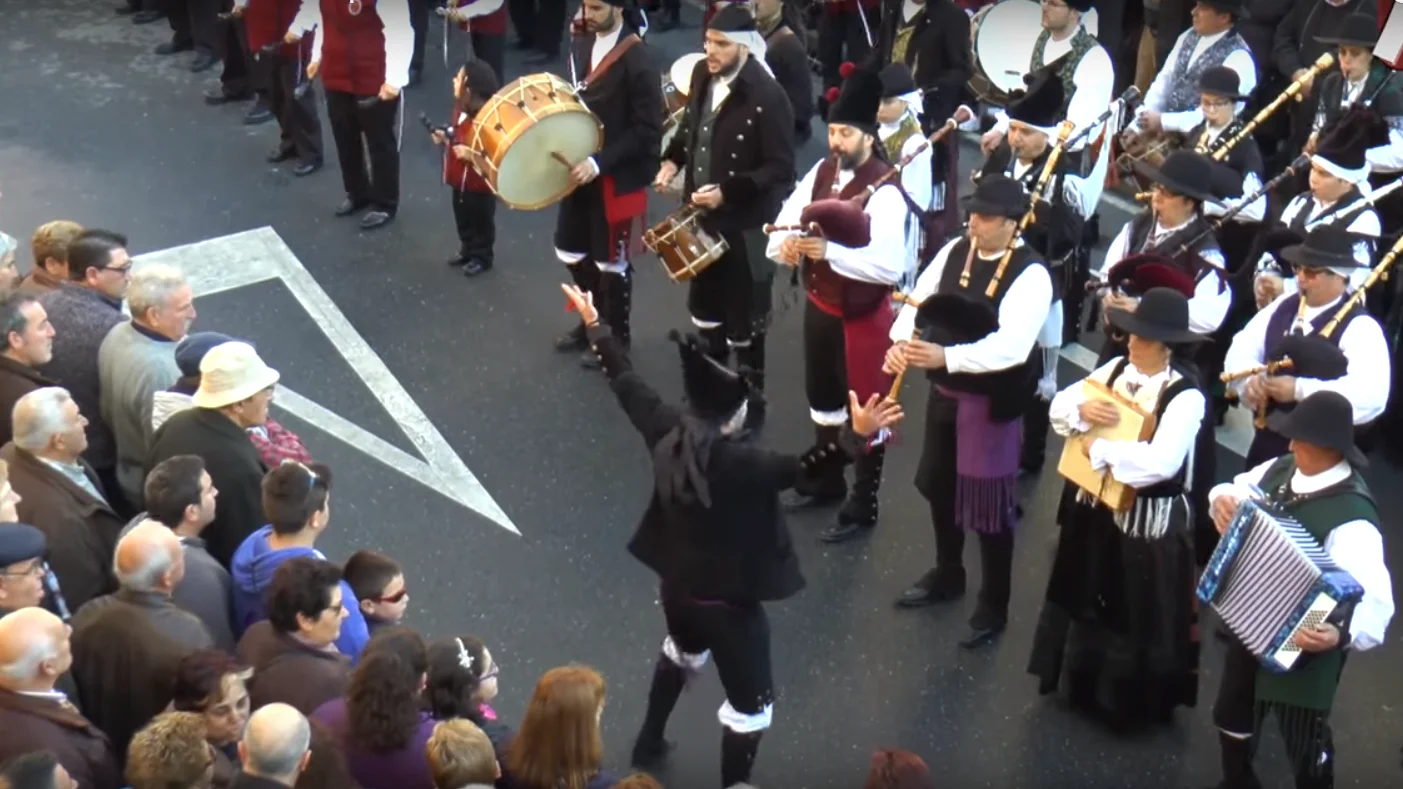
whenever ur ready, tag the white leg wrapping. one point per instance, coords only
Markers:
(568, 258)
(683, 659)
(1235, 735)
(745, 724)
(829, 418)
(701, 324)
(614, 268)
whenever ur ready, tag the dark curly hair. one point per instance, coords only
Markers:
(199, 679)
(383, 701)
(301, 585)
(450, 687)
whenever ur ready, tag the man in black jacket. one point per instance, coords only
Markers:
(716, 536)
(787, 55)
(596, 226)
(737, 146)
(1297, 43)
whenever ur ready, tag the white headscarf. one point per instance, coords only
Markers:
(752, 40)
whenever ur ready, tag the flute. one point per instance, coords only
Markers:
(1270, 368)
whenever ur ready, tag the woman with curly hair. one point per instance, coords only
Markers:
(381, 723)
(211, 683)
(462, 681)
(559, 745)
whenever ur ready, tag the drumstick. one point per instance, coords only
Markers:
(559, 157)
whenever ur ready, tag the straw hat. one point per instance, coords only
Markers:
(231, 373)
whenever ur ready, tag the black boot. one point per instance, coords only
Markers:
(750, 359)
(858, 515)
(946, 580)
(1236, 755)
(668, 681)
(1036, 422)
(991, 612)
(824, 491)
(716, 346)
(738, 755)
(586, 277)
(613, 303)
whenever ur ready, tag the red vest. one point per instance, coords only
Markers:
(353, 48)
(494, 24)
(457, 173)
(827, 289)
(268, 20)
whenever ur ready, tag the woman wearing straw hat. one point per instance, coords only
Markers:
(1117, 623)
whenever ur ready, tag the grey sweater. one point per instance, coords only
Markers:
(82, 317)
(132, 367)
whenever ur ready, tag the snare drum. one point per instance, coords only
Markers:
(529, 134)
(682, 246)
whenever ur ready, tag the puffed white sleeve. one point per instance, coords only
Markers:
(1249, 346)
(915, 177)
(1369, 373)
(905, 323)
(1244, 485)
(1064, 412)
(1021, 315)
(1142, 463)
(399, 40)
(791, 210)
(1116, 252)
(883, 260)
(309, 18)
(1358, 548)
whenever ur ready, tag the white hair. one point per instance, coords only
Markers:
(38, 416)
(40, 648)
(156, 560)
(152, 286)
(276, 739)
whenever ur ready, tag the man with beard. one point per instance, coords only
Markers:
(598, 223)
(848, 311)
(367, 46)
(738, 150)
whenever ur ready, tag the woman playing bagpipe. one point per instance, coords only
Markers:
(1117, 625)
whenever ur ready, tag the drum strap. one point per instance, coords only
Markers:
(619, 50)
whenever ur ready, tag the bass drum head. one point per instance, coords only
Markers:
(681, 71)
(1004, 41)
(529, 177)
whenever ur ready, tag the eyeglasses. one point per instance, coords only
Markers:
(125, 271)
(1211, 103)
(491, 673)
(394, 598)
(34, 569)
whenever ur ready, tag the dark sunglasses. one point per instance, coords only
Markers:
(396, 597)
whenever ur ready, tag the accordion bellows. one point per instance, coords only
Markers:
(1270, 578)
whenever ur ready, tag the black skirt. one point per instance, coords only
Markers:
(1118, 628)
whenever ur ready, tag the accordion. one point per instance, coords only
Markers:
(1268, 579)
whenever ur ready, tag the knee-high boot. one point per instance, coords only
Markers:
(858, 515)
(750, 359)
(668, 681)
(714, 340)
(613, 302)
(586, 277)
(1236, 755)
(738, 755)
(819, 491)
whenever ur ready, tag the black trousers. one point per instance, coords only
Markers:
(738, 636)
(362, 133)
(825, 360)
(419, 20)
(197, 21)
(300, 128)
(475, 215)
(735, 290)
(240, 74)
(523, 18)
(551, 18)
(841, 37)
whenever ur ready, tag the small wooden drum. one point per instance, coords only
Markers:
(682, 246)
(529, 135)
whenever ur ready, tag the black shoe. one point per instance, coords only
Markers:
(349, 206)
(842, 532)
(375, 218)
(982, 633)
(258, 113)
(457, 260)
(795, 500)
(650, 753)
(476, 266)
(147, 17)
(216, 97)
(307, 167)
(204, 61)
(572, 341)
(172, 47)
(281, 154)
(938, 585)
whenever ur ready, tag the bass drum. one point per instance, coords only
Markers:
(676, 82)
(1003, 36)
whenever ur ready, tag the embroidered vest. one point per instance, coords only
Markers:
(1312, 683)
(905, 34)
(827, 289)
(1183, 90)
(897, 140)
(1082, 42)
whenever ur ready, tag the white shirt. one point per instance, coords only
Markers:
(1383, 158)
(1072, 185)
(720, 89)
(1239, 60)
(1356, 546)
(399, 35)
(1208, 307)
(1367, 378)
(915, 177)
(1255, 212)
(1364, 222)
(1021, 314)
(884, 260)
(1093, 84)
(1138, 464)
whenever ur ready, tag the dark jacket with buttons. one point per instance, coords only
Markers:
(628, 102)
(751, 142)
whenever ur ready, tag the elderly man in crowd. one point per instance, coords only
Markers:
(61, 494)
(25, 580)
(50, 247)
(37, 770)
(293, 652)
(275, 749)
(34, 653)
(236, 388)
(137, 360)
(29, 343)
(171, 753)
(83, 311)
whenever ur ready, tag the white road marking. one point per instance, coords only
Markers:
(242, 259)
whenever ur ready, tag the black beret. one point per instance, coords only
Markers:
(20, 543)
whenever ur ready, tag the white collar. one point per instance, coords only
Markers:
(1303, 484)
(1160, 229)
(1209, 40)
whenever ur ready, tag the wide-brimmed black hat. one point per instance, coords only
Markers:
(1162, 314)
(1326, 246)
(998, 195)
(1346, 142)
(897, 81)
(1355, 30)
(1326, 420)
(1041, 103)
(714, 391)
(858, 101)
(1183, 173)
(1221, 81)
(1081, 5)
(1233, 7)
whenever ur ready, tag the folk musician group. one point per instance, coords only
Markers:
(1206, 296)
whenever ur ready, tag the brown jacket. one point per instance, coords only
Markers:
(33, 724)
(288, 671)
(16, 381)
(38, 282)
(81, 530)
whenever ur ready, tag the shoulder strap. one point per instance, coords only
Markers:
(620, 49)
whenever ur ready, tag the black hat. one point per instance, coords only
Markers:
(714, 391)
(1355, 30)
(1272, 243)
(1221, 81)
(1162, 314)
(731, 18)
(1138, 274)
(1081, 5)
(190, 351)
(1326, 246)
(1345, 142)
(1184, 173)
(1041, 103)
(1233, 7)
(897, 81)
(858, 101)
(998, 195)
(20, 543)
(1326, 420)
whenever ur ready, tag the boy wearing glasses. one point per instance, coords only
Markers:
(378, 583)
